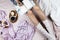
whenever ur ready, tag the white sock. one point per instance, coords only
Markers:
(43, 31)
(28, 4)
(32, 2)
(48, 26)
(24, 8)
(21, 9)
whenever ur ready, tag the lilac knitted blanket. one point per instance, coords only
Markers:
(25, 30)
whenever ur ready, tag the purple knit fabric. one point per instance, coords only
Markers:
(25, 30)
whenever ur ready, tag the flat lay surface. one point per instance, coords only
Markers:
(16, 25)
